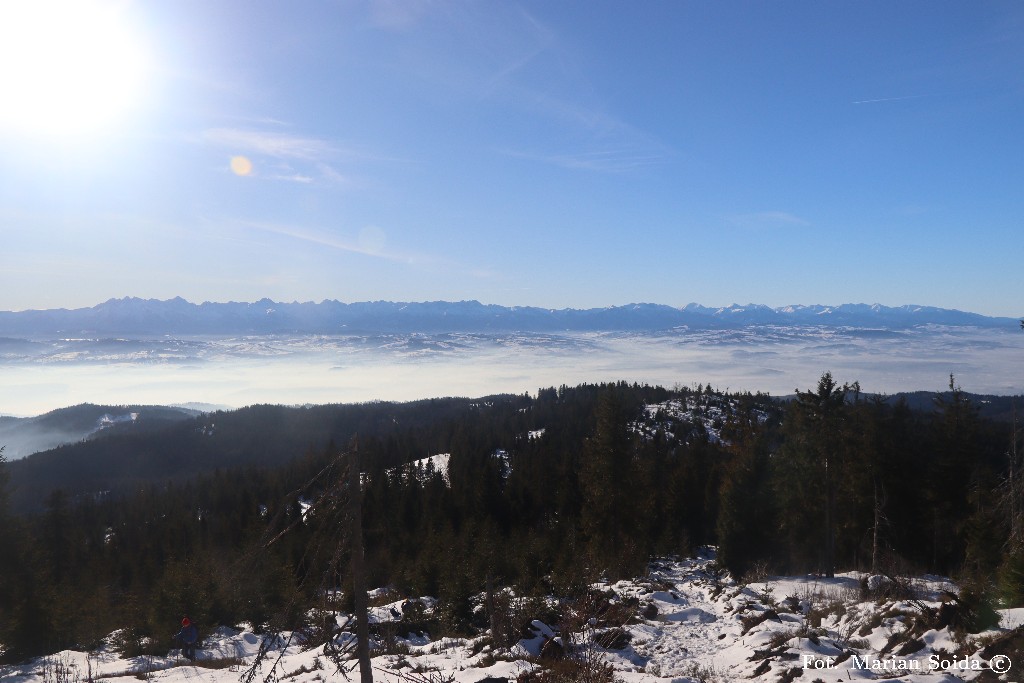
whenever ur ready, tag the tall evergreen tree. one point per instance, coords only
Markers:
(955, 441)
(608, 486)
(8, 560)
(1011, 571)
(746, 509)
(811, 463)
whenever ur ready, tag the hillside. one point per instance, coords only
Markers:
(243, 517)
(683, 621)
(24, 436)
(153, 444)
(157, 451)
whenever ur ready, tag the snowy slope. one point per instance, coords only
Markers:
(424, 468)
(678, 417)
(687, 622)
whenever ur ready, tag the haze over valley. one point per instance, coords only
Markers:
(135, 351)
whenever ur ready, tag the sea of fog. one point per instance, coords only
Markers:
(38, 376)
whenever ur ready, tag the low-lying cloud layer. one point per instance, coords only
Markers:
(237, 371)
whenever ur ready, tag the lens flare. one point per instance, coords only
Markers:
(241, 166)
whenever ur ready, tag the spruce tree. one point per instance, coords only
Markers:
(746, 509)
(810, 466)
(1011, 572)
(607, 480)
(955, 441)
(8, 561)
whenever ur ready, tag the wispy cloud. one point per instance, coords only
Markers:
(285, 171)
(511, 60)
(399, 15)
(498, 78)
(606, 161)
(889, 99)
(259, 121)
(294, 178)
(532, 39)
(279, 145)
(768, 219)
(371, 241)
(282, 156)
(331, 174)
(604, 143)
(325, 239)
(273, 144)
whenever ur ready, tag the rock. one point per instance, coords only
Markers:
(552, 649)
(614, 639)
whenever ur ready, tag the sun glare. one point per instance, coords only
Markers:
(67, 67)
(241, 166)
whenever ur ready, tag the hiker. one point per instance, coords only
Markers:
(187, 636)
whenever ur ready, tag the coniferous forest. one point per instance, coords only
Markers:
(542, 492)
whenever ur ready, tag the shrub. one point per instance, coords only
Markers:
(973, 611)
(1011, 579)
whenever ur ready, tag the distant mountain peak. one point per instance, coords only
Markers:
(133, 315)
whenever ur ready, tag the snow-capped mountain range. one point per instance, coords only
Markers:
(179, 317)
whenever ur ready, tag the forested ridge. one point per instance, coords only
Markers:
(119, 461)
(544, 493)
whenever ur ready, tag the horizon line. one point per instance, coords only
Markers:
(689, 305)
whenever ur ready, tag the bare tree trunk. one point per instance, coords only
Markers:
(830, 536)
(492, 613)
(874, 532)
(1016, 501)
(355, 501)
(880, 499)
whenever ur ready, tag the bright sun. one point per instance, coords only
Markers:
(67, 67)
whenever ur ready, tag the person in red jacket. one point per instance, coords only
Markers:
(188, 636)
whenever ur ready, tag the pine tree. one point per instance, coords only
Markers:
(746, 510)
(608, 485)
(1011, 571)
(335, 517)
(955, 441)
(1012, 490)
(811, 463)
(8, 561)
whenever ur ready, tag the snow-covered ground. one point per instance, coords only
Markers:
(423, 468)
(684, 622)
(678, 416)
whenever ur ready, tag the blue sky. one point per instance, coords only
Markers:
(558, 154)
